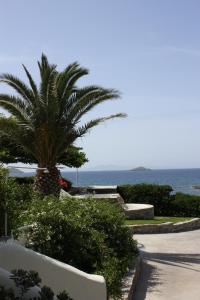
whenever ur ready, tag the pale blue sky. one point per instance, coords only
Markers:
(148, 50)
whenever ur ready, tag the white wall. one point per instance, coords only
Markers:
(57, 275)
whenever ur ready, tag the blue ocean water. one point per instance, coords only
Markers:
(181, 180)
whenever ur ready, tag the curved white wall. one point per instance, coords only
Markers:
(57, 275)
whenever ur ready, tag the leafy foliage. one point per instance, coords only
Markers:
(24, 280)
(11, 152)
(13, 199)
(183, 205)
(87, 234)
(74, 157)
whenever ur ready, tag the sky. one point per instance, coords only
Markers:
(148, 50)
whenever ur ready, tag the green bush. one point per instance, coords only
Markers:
(183, 205)
(157, 195)
(87, 234)
(14, 198)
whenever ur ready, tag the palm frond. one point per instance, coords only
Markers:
(48, 91)
(78, 95)
(19, 86)
(31, 81)
(66, 81)
(89, 98)
(85, 128)
(16, 107)
(47, 72)
(44, 66)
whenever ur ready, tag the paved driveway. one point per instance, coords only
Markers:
(171, 266)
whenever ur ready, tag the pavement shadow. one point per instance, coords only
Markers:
(149, 281)
(150, 277)
(178, 260)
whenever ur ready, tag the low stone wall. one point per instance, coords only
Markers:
(168, 227)
(129, 281)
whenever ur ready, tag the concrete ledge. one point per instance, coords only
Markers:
(138, 211)
(102, 189)
(129, 281)
(115, 198)
(168, 227)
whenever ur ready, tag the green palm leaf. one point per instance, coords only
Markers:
(15, 106)
(20, 87)
(32, 83)
(81, 131)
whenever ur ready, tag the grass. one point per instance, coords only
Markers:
(157, 220)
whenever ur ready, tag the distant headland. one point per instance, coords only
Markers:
(140, 169)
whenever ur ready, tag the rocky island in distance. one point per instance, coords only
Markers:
(140, 169)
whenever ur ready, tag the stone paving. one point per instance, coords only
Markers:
(171, 266)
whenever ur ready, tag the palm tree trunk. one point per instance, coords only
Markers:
(47, 181)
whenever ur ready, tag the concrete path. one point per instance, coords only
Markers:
(171, 266)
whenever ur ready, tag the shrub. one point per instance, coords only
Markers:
(87, 234)
(183, 205)
(14, 199)
(24, 281)
(157, 195)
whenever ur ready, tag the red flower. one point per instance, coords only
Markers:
(63, 182)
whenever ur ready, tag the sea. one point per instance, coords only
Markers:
(181, 180)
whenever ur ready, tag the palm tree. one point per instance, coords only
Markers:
(46, 117)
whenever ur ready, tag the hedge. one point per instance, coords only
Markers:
(183, 205)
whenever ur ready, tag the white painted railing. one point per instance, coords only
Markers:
(57, 275)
